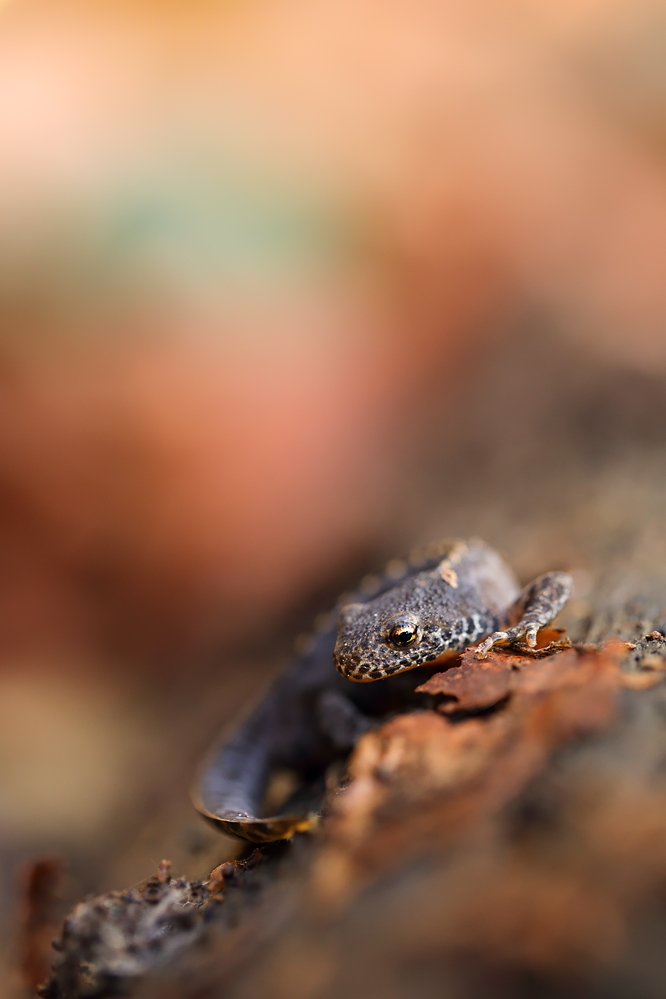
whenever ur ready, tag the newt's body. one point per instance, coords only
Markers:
(443, 600)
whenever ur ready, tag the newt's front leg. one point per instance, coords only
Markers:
(537, 605)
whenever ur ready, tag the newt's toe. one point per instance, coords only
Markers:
(485, 646)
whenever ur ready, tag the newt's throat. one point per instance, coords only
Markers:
(443, 659)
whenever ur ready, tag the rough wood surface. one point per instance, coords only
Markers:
(511, 840)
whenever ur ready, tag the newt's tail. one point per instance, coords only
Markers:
(231, 788)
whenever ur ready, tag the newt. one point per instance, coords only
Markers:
(420, 613)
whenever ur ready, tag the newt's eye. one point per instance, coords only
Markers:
(403, 631)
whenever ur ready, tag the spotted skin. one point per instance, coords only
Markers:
(469, 594)
(438, 601)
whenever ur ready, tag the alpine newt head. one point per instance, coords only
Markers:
(440, 610)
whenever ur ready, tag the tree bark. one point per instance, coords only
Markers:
(514, 847)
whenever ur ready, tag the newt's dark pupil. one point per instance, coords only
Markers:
(403, 634)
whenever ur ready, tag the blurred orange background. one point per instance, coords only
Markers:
(251, 259)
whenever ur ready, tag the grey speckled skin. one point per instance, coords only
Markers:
(464, 597)
(441, 600)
